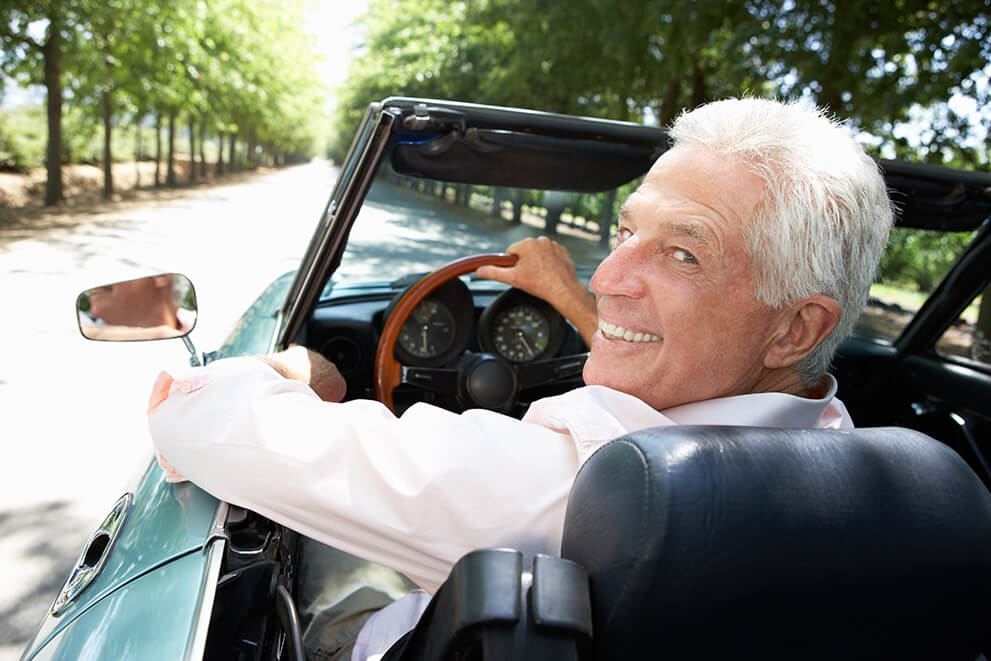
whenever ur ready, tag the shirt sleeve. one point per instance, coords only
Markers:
(413, 493)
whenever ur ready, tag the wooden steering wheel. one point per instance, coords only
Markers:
(387, 372)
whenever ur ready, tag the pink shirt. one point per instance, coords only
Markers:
(413, 493)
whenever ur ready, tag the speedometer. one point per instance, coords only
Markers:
(521, 333)
(429, 331)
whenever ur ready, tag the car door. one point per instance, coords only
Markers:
(924, 364)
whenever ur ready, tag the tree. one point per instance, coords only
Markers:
(877, 63)
(36, 58)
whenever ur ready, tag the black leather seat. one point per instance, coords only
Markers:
(731, 542)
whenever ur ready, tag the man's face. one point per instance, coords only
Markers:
(678, 319)
(127, 303)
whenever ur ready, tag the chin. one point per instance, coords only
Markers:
(595, 374)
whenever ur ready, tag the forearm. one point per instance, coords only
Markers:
(413, 494)
(578, 307)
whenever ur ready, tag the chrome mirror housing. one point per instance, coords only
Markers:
(150, 308)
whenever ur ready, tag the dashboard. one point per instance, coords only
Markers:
(453, 325)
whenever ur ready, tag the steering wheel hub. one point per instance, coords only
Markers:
(490, 382)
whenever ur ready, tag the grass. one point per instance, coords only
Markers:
(912, 300)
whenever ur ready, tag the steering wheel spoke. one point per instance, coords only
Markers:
(387, 370)
(554, 370)
(441, 380)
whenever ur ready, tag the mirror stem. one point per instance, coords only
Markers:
(194, 358)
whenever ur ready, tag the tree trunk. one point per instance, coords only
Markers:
(202, 148)
(700, 91)
(158, 148)
(606, 217)
(192, 149)
(137, 151)
(232, 162)
(52, 56)
(220, 153)
(551, 220)
(498, 193)
(518, 206)
(669, 106)
(170, 170)
(108, 170)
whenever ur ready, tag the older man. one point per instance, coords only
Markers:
(742, 260)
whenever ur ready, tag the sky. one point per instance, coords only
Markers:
(332, 25)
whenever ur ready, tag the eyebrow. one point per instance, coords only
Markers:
(693, 231)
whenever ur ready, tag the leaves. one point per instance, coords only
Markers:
(881, 65)
(248, 66)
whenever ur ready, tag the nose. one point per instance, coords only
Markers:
(621, 272)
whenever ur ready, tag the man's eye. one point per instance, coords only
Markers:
(622, 234)
(684, 256)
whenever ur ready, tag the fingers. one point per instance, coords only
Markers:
(171, 474)
(499, 273)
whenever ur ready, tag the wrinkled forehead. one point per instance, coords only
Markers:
(703, 183)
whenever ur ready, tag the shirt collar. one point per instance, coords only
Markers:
(766, 409)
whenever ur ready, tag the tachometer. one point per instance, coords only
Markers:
(521, 333)
(429, 331)
(521, 328)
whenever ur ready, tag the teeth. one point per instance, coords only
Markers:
(614, 332)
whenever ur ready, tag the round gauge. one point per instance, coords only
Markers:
(429, 331)
(521, 333)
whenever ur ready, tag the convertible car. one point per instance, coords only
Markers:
(689, 542)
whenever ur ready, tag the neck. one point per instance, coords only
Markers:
(790, 382)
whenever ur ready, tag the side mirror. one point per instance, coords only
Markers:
(152, 308)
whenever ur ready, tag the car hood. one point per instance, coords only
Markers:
(166, 522)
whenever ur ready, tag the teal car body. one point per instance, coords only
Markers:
(156, 584)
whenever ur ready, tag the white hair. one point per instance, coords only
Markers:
(823, 221)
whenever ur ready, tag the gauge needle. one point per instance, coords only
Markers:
(423, 335)
(526, 345)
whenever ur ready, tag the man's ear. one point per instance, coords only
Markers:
(805, 325)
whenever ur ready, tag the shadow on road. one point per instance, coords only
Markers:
(43, 561)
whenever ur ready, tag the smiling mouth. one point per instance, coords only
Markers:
(615, 332)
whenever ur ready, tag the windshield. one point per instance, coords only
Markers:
(410, 225)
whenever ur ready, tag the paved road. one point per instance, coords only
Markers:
(72, 410)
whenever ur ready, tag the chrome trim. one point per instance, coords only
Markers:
(86, 570)
(327, 246)
(273, 343)
(208, 592)
(254, 551)
(218, 527)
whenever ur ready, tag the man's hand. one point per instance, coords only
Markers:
(545, 270)
(301, 364)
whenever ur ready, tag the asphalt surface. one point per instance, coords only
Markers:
(73, 411)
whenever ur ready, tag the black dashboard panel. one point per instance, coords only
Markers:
(346, 331)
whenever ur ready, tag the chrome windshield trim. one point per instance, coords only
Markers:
(218, 527)
(196, 646)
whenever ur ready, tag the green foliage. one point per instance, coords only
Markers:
(233, 66)
(82, 137)
(918, 259)
(22, 139)
(881, 65)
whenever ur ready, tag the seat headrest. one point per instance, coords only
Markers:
(735, 542)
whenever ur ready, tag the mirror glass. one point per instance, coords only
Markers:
(152, 308)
